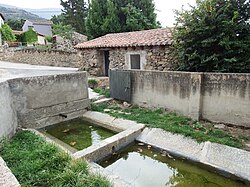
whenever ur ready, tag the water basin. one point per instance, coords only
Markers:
(142, 166)
(78, 133)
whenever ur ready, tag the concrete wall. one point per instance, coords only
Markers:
(38, 101)
(215, 97)
(226, 98)
(43, 57)
(8, 119)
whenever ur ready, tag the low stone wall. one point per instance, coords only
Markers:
(43, 57)
(215, 97)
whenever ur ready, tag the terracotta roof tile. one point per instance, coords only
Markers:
(154, 37)
(41, 22)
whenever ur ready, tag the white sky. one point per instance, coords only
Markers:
(164, 7)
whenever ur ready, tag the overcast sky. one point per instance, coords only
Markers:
(164, 7)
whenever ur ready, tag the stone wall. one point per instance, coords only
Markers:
(217, 97)
(42, 57)
(157, 58)
(92, 62)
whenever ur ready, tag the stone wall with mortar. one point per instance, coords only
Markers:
(58, 58)
(156, 58)
(211, 96)
(92, 62)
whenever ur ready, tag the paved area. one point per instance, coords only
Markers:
(14, 70)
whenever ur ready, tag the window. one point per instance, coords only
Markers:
(135, 61)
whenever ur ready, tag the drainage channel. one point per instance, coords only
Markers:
(111, 143)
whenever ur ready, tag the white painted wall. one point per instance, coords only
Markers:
(41, 40)
(1, 21)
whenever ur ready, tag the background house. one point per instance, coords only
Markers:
(1, 23)
(43, 27)
(145, 50)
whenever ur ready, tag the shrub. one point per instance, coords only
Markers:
(7, 33)
(29, 36)
(214, 36)
(92, 83)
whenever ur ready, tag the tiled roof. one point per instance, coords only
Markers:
(154, 37)
(17, 32)
(41, 22)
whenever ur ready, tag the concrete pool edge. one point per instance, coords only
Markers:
(228, 161)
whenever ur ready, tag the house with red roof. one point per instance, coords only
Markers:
(143, 50)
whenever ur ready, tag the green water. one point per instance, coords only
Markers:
(78, 133)
(144, 167)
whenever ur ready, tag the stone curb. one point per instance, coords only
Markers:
(229, 161)
(7, 178)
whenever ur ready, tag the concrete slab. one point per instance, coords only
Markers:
(14, 70)
(107, 121)
(173, 143)
(103, 100)
(109, 146)
(7, 179)
(229, 159)
(93, 95)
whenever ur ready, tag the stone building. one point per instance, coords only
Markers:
(145, 50)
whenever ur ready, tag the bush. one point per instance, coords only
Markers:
(7, 33)
(92, 83)
(214, 36)
(29, 36)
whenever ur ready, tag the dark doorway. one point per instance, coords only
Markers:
(106, 63)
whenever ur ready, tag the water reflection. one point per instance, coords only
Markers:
(144, 167)
(78, 133)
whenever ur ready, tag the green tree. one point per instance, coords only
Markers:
(75, 13)
(214, 36)
(29, 36)
(107, 16)
(16, 24)
(7, 34)
(62, 30)
(95, 19)
(111, 22)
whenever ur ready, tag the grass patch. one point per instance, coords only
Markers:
(34, 162)
(102, 91)
(171, 122)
